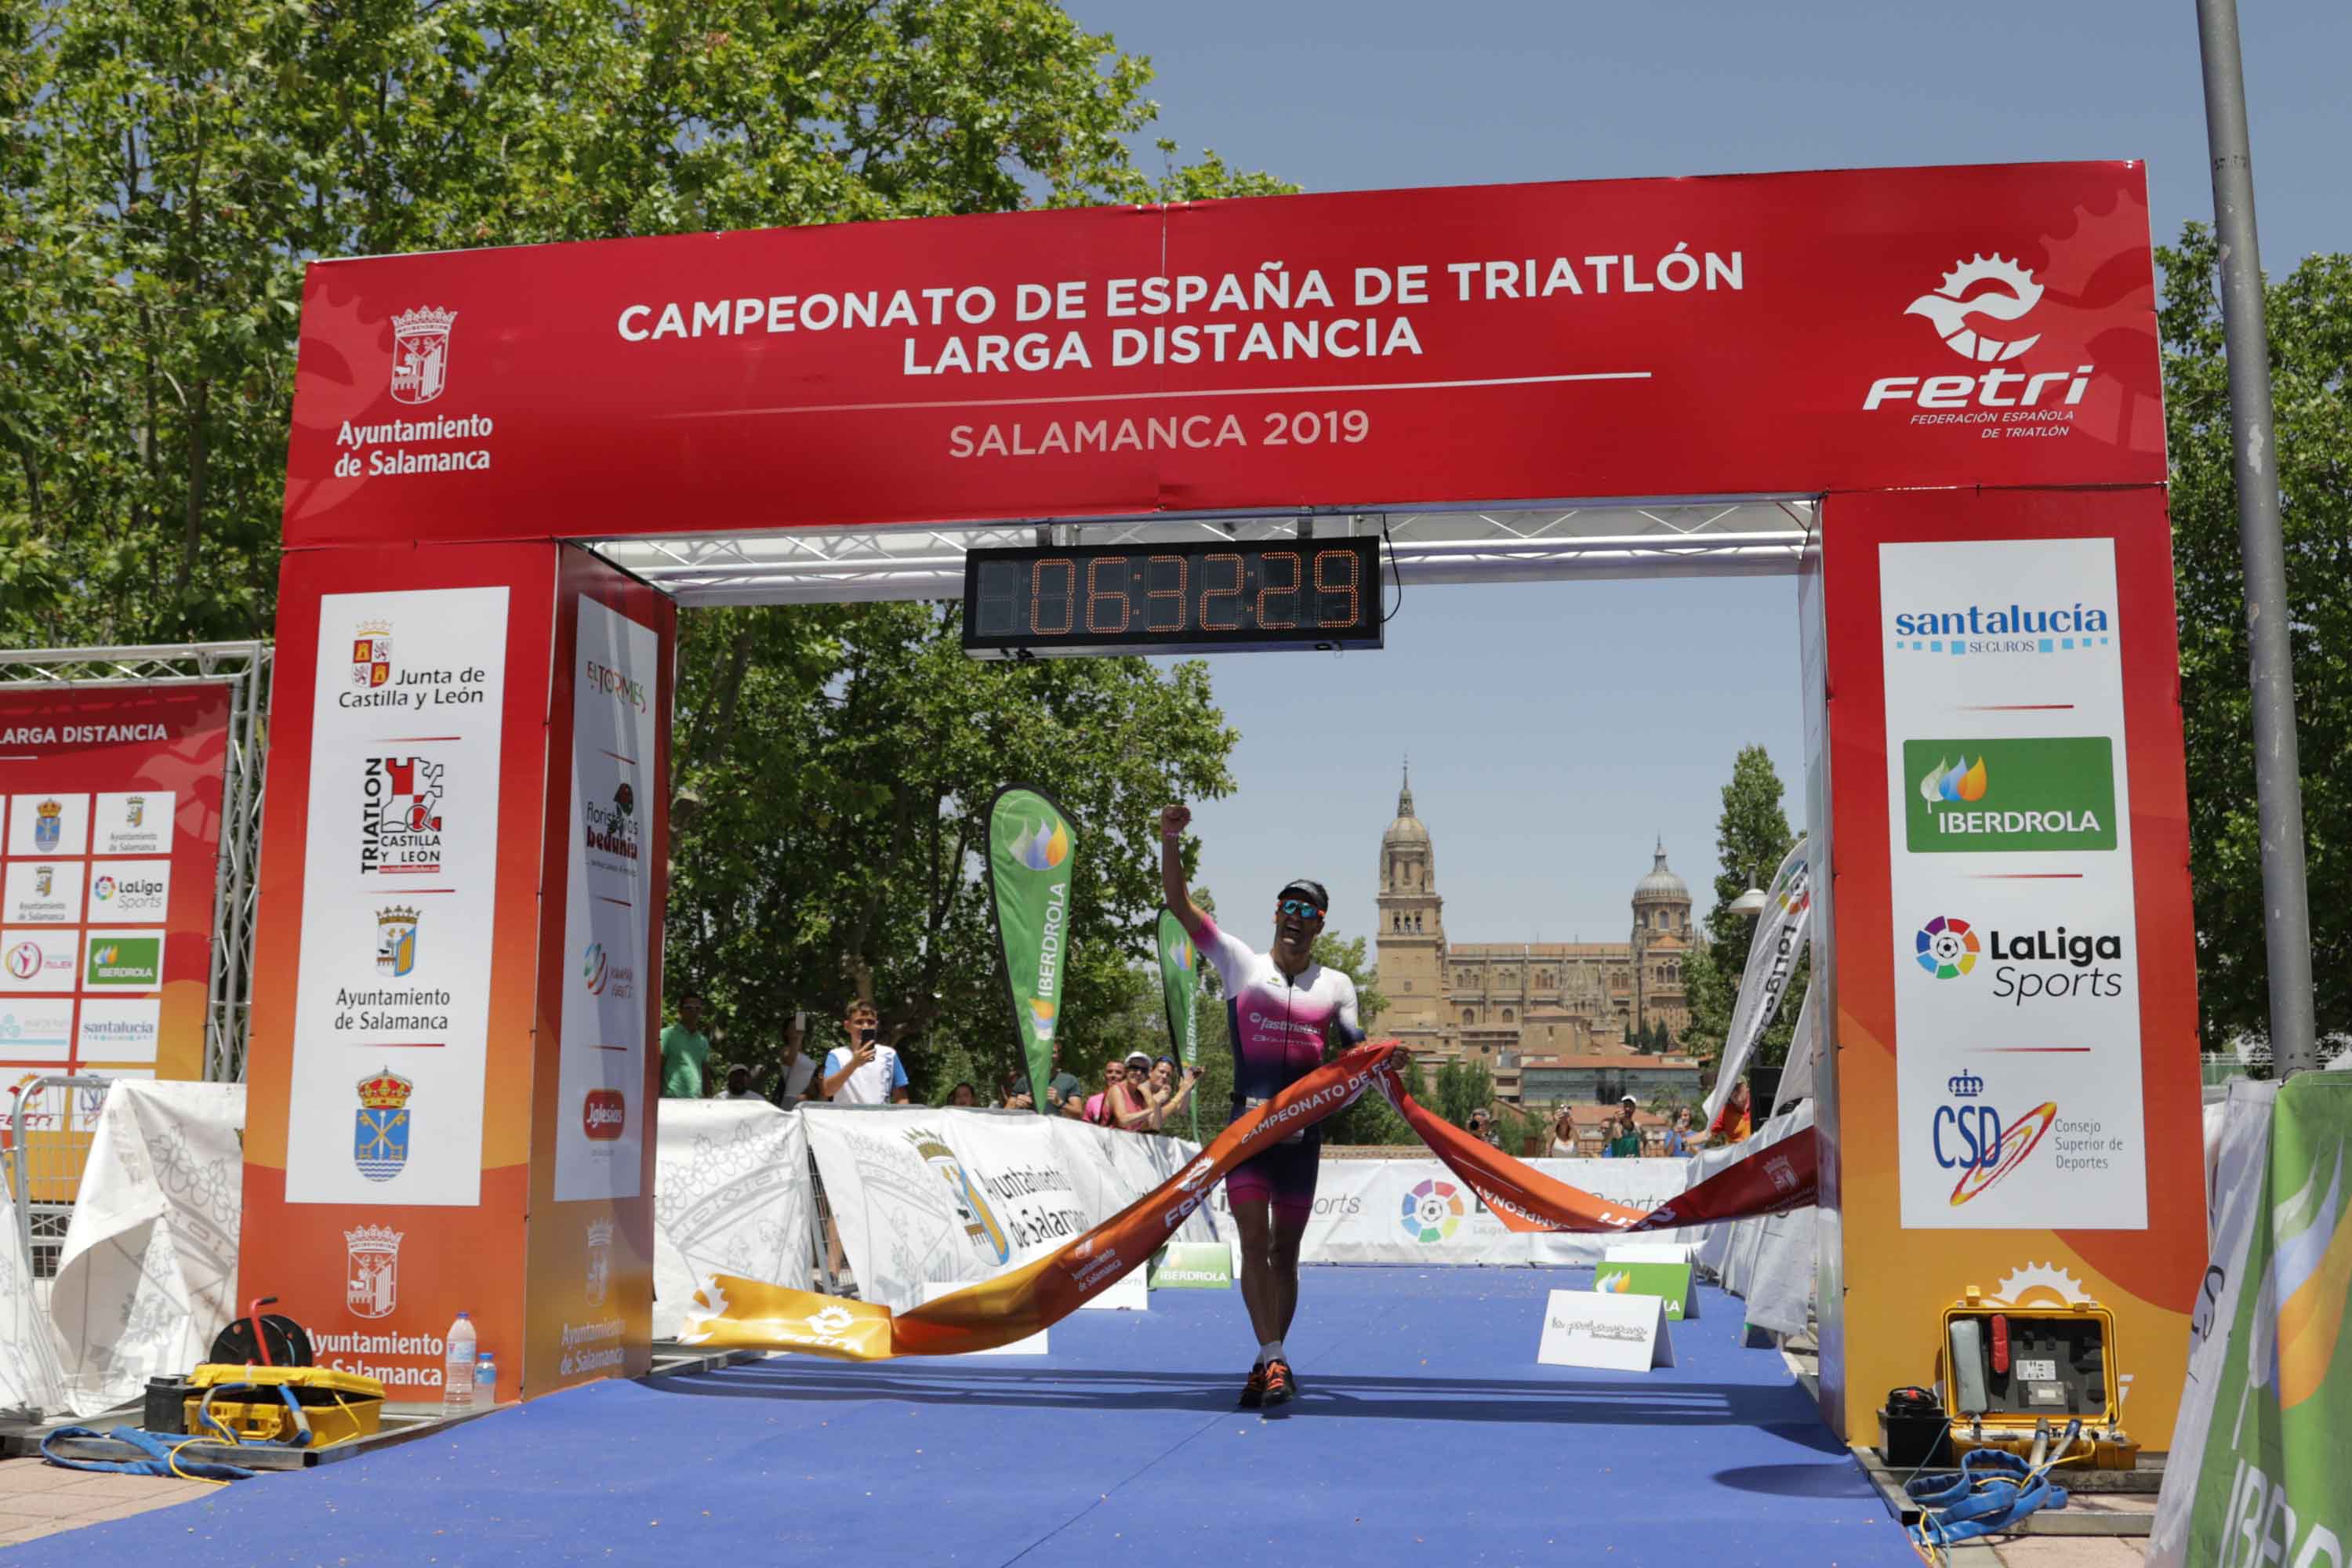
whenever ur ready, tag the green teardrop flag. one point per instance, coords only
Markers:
(1179, 982)
(1032, 846)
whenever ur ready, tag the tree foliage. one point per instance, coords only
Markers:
(167, 167)
(1751, 838)
(2311, 388)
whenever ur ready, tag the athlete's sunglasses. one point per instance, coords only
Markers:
(1300, 908)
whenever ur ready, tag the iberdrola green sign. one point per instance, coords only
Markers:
(2271, 1376)
(1032, 845)
(1179, 982)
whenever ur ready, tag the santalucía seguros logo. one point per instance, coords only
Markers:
(1946, 948)
(1948, 310)
(1432, 1211)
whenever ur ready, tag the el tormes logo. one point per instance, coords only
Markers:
(400, 816)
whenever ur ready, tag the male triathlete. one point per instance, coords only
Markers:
(1280, 1005)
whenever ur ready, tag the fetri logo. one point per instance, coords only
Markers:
(603, 1113)
(1947, 947)
(2014, 293)
(1042, 846)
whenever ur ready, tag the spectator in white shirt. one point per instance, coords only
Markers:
(799, 1075)
(739, 1084)
(865, 1071)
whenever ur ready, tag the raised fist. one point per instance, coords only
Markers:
(1174, 820)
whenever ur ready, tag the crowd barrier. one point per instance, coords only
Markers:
(921, 1196)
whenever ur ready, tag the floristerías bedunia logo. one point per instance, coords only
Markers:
(2009, 293)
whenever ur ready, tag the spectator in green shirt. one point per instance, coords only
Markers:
(686, 1052)
(1624, 1134)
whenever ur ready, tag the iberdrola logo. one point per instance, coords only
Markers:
(1962, 780)
(1041, 1012)
(1042, 845)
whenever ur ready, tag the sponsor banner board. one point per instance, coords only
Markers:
(1669, 1282)
(399, 888)
(109, 842)
(608, 908)
(732, 1194)
(2016, 995)
(1032, 853)
(1193, 1266)
(1848, 328)
(1602, 1329)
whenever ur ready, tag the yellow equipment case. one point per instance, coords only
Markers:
(251, 1402)
(2008, 1370)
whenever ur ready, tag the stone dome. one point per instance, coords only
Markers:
(1661, 886)
(1407, 828)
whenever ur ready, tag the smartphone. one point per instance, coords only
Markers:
(800, 1019)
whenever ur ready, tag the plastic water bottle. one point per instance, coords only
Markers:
(486, 1379)
(457, 1369)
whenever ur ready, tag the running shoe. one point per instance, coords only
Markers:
(1280, 1389)
(1254, 1391)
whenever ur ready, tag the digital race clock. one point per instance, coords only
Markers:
(1172, 598)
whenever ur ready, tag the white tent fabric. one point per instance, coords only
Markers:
(148, 1275)
(29, 1376)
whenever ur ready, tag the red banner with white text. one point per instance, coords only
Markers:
(1856, 329)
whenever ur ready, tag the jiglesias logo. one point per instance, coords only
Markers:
(1432, 1211)
(1998, 292)
(978, 1221)
(604, 1114)
(1946, 948)
(2049, 964)
(1970, 1137)
(1999, 796)
(2011, 628)
(131, 962)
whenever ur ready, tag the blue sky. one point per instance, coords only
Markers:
(1556, 728)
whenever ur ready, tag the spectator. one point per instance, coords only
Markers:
(1063, 1092)
(963, 1094)
(865, 1071)
(1098, 1109)
(1482, 1127)
(1563, 1135)
(1170, 1090)
(739, 1084)
(1625, 1135)
(1013, 1094)
(1131, 1108)
(1680, 1139)
(1733, 1121)
(794, 1081)
(686, 1052)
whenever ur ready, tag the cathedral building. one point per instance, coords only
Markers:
(1500, 1004)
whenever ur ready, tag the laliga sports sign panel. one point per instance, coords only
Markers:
(1840, 330)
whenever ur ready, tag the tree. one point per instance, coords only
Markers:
(167, 167)
(1751, 839)
(1462, 1086)
(2310, 318)
(833, 767)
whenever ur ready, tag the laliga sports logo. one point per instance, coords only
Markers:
(1040, 850)
(1948, 310)
(1947, 947)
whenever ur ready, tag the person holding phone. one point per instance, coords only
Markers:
(1282, 1008)
(1170, 1090)
(865, 1071)
(799, 1072)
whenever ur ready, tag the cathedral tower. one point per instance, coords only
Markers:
(1662, 905)
(1412, 935)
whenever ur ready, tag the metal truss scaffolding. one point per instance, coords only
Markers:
(1517, 544)
(244, 669)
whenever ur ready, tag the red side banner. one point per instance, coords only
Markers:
(111, 823)
(1852, 330)
(750, 1314)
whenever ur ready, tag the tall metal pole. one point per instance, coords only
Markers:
(2278, 789)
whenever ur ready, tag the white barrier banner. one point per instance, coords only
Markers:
(1417, 1211)
(731, 1195)
(148, 1274)
(923, 1195)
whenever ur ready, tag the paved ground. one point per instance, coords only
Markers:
(39, 1498)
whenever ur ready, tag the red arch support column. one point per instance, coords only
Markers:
(1994, 733)
(454, 1055)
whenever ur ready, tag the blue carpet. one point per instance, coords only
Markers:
(1426, 1434)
